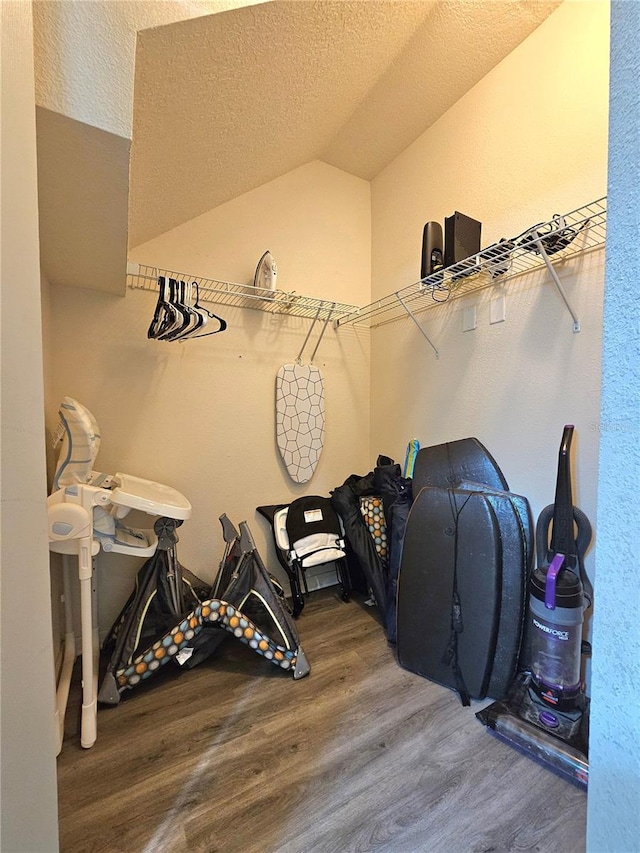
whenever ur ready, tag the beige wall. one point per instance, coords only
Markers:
(613, 817)
(28, 819)
(200, 415)
(528, 141)
(84, 80)
(315, 220)
(57, 603)
(509, 167)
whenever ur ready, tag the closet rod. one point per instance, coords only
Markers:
(292, 304)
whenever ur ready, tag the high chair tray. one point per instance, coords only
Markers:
(150, 497)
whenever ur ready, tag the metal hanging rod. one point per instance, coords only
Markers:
(546, 244)
(292, 304)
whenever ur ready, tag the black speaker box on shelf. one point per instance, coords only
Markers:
(461, 238)
(432, 249)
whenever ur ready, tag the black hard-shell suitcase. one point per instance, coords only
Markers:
(449, 590)
(465, 534)
(515, 522)
(449, 464)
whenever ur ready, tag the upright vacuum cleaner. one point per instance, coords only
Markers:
(546, 713)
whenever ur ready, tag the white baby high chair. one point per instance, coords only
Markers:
(85, 512)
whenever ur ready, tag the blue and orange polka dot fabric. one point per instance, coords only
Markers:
(373, 514)
(212, 611)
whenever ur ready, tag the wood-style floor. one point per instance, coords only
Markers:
(236, 757)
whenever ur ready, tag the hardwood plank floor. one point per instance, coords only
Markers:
(360, 756)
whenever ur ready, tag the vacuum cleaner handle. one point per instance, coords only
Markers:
(562, 536)
(582, 543)
(582, 540)
(542, 536)
(585, 531)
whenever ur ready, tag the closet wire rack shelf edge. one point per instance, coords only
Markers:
(291, 304)
(493, 266)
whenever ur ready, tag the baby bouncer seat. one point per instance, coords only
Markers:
(85, 514)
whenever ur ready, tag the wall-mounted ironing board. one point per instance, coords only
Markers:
(71, 532)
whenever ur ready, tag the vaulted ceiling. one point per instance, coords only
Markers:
(227, 102)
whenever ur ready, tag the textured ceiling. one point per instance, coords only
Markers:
(225, 103)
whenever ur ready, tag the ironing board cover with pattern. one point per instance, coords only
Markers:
(300, 419)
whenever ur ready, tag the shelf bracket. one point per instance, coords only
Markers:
(557, 282)
(417, 322)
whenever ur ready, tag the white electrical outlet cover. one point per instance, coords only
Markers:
(469, 318)
(497, 309)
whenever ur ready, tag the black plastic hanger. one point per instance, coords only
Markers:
(165, 313)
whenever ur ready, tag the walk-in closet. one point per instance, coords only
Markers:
(217, 196)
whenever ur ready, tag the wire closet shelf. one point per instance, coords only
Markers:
(552, 242)
(143, 277)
